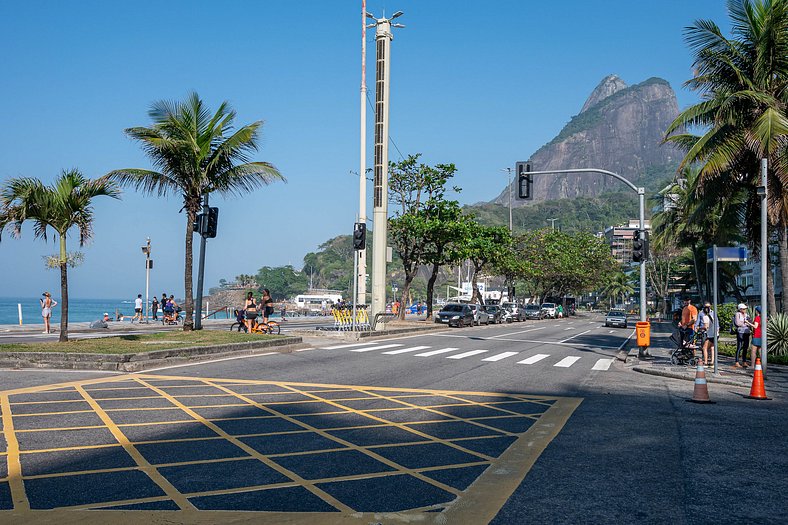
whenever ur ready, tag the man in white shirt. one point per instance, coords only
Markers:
(137, 308)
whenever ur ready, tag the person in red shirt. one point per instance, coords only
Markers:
(757, 331)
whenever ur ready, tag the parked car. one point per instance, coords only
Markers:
(550, 310)
(416, 308)
(455, 314)
(479, 315)
(533, 311)
(616, 318)
(495, 312)
(515, 310)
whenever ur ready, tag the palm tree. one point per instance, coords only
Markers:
(743, 81)
(619, 286)
(197, 153)
(62, 206)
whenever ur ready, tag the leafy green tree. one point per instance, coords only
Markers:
(62, 206)
(743, 82)
(197, 153)
(284, 282)
(484, 247)
(418, 189)
(618, 288)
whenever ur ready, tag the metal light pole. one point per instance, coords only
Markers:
(510, 197)
(201, 270)
(146, 251)
(361, 256)
(763, 192)
(383, 38)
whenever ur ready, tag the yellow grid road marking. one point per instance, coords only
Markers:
(12, 458)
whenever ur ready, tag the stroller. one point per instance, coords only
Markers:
(684, 354)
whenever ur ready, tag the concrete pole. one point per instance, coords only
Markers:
(715, 324)
(201, 268)
(147, 281)
(642, 206)
(383, 39)
(361, 272)
(763, 191)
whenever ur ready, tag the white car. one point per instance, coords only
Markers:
(479, 315)
(550, 310)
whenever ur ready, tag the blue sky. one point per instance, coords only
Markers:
(479, 84)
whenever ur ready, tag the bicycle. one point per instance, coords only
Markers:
(270, 328)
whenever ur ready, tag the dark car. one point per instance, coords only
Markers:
(495, 312)
(455, 314)
(533, 311)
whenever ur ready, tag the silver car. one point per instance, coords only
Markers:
(479, 315)
(616, 318)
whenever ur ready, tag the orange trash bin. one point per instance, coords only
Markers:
(643, 332)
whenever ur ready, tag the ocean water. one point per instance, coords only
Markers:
(79, 310)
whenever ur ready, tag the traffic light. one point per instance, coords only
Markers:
(524, 181)
(197, 224)
(359, 236)
(640, 246)
(212, 222)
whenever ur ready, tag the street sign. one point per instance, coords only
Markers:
(727, 254)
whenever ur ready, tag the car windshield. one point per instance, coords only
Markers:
(616, 313)
(491, 309)
(452, 308)
(532, 307)
(548, 305)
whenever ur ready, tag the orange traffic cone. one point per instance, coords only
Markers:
(701, 392)
(757, 391)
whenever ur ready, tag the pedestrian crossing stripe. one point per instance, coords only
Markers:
(603, 364)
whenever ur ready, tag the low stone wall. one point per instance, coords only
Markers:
(142, 360)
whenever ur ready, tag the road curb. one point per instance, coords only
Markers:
(358, 336)
(687, 376)
(144, 360)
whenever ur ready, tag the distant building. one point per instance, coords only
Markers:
(620, 240)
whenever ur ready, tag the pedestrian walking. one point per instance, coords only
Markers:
(137, 309)
(689, 316)
(741, 324)
(267, 304)
(47, 303)
(707, 325)
(250, 307)
(757, 333)
(155, 307)
(283, 311)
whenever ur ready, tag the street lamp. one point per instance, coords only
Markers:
(510, 196)
(148, 266)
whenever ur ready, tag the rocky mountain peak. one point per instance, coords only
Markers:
(610, 84)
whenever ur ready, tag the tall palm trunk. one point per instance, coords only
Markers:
(782, 236)
(63, 290)
(188, 321)
(697, 272)
(770, 300)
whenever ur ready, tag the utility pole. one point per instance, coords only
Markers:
(201, 267)
(763, 193)
(361, 255)
(146, 251)
(383, 38)
(510, 197)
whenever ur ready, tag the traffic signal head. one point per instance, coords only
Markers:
(359, 236)
(640, 246)
(212, 221)
(197, 224)
(524, 181)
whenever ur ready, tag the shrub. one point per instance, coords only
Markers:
(777, 334)
(726, 313)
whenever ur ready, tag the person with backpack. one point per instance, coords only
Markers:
(707, 324)
(741, 325)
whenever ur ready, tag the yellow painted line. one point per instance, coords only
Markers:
(496, 485)
(252, 452)
(365, 451)
(139, 459)
(64, 449)
(14, 465)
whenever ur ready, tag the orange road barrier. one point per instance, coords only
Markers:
(701, 392)
(757, 391)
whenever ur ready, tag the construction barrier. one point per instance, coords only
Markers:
(343, 318)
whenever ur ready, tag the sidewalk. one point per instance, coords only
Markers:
(113, 326)
(660, 365)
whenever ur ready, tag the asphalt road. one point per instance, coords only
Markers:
(617, 446)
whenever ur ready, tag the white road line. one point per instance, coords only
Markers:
(520, 332)
(570, 328)
(376, 348)
(576, 335)
(404, 350)
(466, 354)
(436, 352)
(574, 345)
(602, 364)
(611, 331)
(566, 362)
(498, 357)
(533, 359)
(337, 347)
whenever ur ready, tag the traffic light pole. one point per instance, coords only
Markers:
(641, 192)
(201, 270)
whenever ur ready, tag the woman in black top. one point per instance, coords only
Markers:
(268, 304)
(250, 307)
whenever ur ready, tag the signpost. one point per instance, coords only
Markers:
(714, 255)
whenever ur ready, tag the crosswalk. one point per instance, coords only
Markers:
(394, 349)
